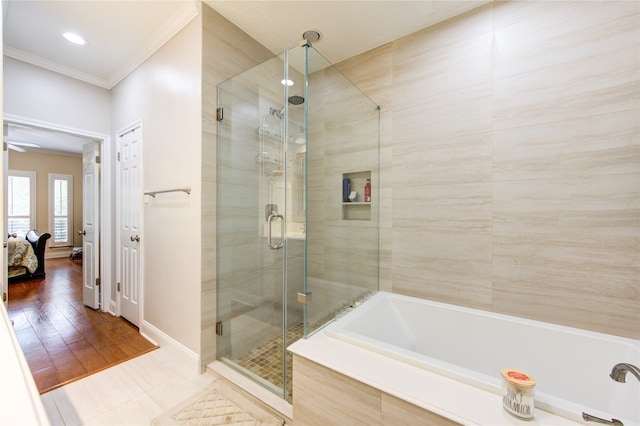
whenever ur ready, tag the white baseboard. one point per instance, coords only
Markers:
(56, 254)
(112, 307)
(176, 348)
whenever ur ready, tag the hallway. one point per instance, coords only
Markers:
(62, 339)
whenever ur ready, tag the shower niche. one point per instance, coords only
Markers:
(358, 208)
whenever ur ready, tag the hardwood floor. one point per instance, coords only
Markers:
(62, 339)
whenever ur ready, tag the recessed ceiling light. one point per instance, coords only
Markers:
(287, 82)
(74, 38)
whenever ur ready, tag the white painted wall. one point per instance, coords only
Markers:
(165, 93)
(45, 96)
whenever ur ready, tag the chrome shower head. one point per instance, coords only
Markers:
(293, 100)
(310, 36)
(296, 100)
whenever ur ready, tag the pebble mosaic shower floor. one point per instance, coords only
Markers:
(266, 360)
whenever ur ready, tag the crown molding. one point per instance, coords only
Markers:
(189, 11)
(54, 66)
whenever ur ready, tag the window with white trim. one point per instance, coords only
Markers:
(61, 210)
(21, 202)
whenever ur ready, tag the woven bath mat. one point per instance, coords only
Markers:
(218, 404)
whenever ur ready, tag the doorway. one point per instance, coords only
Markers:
(54, 154)
(62, 338)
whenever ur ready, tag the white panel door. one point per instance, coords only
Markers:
(129, 208)
(90, 225)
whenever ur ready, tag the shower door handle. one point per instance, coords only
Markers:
(273, 216)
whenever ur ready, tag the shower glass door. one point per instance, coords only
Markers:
(260, 231)
(293, 129)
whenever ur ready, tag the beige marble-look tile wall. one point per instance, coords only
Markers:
(511, 161)
(325, 397)
(373, 73)
(227, 51)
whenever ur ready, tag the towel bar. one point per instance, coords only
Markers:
(153, 193)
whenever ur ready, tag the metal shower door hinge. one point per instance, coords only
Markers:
(304, 298)
(219, 328)
(219, 113)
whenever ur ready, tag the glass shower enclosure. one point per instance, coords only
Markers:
(297, 242)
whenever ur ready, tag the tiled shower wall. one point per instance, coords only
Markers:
(342, 252)
(510, 161)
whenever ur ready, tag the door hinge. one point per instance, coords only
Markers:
(219, 328)
(97, 282)
(118, 287)
(98, 159)
(4, 297)
(118, 156)
(5, 147)
(219, 113)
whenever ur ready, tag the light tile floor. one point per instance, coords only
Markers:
(132, 393)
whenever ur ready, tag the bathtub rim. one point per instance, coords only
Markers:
(334, 331)
(356, 312)
(434, 392)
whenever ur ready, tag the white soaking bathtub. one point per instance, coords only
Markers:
(469, 347)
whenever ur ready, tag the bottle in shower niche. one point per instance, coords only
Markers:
(346, 189)
(367, 191)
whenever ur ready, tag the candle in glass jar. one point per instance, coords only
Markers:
(518, 395)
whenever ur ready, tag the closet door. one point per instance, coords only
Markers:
(129, 210)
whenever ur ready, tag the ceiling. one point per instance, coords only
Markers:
(347, 27)
(20, 137)
(122, 34)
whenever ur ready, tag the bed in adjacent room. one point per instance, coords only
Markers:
(25, 256)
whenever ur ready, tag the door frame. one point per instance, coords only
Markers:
(105, 228)
(4, 263)
(138, 124)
